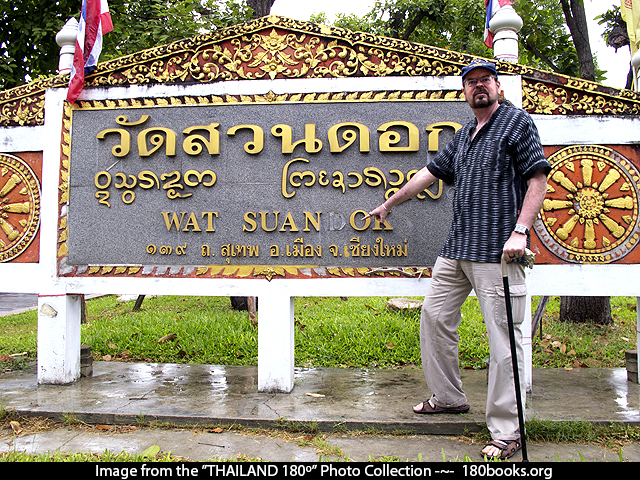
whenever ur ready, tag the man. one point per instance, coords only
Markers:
(499, 172)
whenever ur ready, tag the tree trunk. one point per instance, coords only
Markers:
(586, 309)
(577, 21)
(261, 8)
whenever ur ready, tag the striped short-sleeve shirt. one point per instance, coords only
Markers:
(490, 175)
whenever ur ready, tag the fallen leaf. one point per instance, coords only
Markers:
(544, 343)
(169, 337)
(102, 427)
(151, 451)
(555, 344)
(563, 348)
(315, 395)
(571, 352)
(390, 345)
(106, 358)
(592, 363)
(216, 430)
(111, 345)
(15, 426)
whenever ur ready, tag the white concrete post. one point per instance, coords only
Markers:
(275, 343)
(59, 319)
(66, 39)
(527, 346)
(505, 25)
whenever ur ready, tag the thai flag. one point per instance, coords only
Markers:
(492, 6)
(95, 21)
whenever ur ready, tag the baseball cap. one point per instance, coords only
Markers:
(479, 63)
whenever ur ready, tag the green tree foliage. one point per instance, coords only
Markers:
(27, 33)
(28, 29)
(451, 24)
(545, 41)
(142, 24)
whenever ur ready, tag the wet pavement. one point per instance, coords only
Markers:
(376, 403)
(17, 302)
(332, 401)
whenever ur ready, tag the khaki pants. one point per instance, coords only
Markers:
(452, 282)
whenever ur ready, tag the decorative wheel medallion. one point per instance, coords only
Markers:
(19, 206)
(590, 213)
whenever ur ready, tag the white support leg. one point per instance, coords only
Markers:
(527, 345)
(59, 319)
(275, 343)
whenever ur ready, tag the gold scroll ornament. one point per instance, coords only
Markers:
(590, 213)
(19, 206)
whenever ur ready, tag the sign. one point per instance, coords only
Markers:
(281, 183)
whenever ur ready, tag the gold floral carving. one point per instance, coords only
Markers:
(541, 98)
(25, 111)
(276, 47)
(19, 206)
(590, 213)
(63, 188)
(271, 97)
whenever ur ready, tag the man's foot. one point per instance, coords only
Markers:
(428, 406)
(501, 449)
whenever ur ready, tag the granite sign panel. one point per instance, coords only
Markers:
(257, 184)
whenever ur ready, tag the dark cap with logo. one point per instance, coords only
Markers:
(479, 63)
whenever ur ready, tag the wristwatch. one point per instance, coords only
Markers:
(521, 229)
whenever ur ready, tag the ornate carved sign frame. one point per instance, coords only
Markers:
(315, 125)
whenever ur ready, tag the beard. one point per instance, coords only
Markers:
(481, 98)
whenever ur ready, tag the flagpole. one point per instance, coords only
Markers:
(635, 65)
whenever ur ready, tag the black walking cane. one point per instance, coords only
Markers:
(530, 257)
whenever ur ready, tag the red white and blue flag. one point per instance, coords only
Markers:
(95, 21)
(492, 6)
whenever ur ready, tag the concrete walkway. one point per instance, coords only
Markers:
(11, 303)
(330, 400)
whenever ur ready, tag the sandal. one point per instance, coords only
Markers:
(428, 407)
(507, 448)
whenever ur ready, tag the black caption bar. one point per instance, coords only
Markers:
(329, 470)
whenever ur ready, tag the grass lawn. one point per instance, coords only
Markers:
(329, 332)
